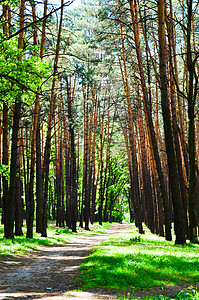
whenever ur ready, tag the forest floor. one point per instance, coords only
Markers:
(53, 272)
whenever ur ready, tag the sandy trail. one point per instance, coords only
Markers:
(49, 272)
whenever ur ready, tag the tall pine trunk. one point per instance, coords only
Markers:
(147, 108)
(39, 181)
(73, 168)
(179, 226)
(5, 144)
(46, 163)
(10, 216)
(136, 188)
(192, 95)
(30, 210)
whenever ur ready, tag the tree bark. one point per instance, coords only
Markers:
(30, 210)
(39, 181)
(131, 137)
(46, 162)
(147, 108)
(192, 95)
(73, 187)
(179, 225)
(15, 129)
(18, 199)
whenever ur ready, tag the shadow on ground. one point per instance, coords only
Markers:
(50, 271)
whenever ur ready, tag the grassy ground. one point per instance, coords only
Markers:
(187, 294)
(131, 261)
(124, 262)
(20, 245)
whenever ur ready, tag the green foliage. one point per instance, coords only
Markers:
(4, 170)
(13, 3)
(127, 262)
(20, 80)
(187, 294)
(118, 182)
(136, 239)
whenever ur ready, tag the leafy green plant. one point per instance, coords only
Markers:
(136, 239)
(188, 294)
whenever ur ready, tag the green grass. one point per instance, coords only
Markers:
(187, 294)
(128, 261)
(20, 245)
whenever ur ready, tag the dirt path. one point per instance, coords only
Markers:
(49, 272)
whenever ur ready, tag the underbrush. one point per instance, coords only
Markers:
(20, 245)
(130, 261)
(188, 294)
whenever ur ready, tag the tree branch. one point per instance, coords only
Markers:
(68, 3)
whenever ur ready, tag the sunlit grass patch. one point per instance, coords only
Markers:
(131, 261)
(22, 244)
(95, 228)
(55, 234)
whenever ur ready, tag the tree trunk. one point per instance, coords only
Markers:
(147, 108)
(86, 170)
(132, 205)
(192, 95)
(18, 199)
(5, 143)
(179, 226)
(5, 162)
(15, 129)
(30, 210)
(93, 186)
(131, 137)
(91, 161)
(100, 170)
(39, 181)
(73, 186)
(48, 136)
(147, 190)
